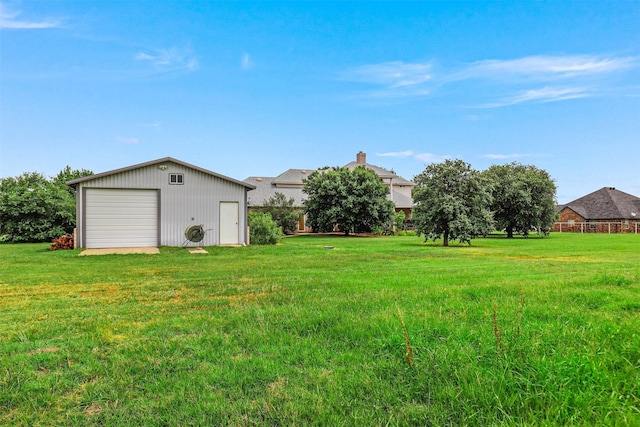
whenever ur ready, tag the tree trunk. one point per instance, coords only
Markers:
(510, 232)
(446, 239)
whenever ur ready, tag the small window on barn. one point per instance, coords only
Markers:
(626, 224)
(592, 225)
(176, 178)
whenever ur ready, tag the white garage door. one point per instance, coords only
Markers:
(121, 218)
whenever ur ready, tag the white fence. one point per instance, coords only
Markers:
(596, 227)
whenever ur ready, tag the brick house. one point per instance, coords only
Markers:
(604, 211)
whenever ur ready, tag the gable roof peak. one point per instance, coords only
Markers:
(74, 182)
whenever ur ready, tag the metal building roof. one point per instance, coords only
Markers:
(74, 182)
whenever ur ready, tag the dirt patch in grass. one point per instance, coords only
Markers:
(93, 409)
(43, 350)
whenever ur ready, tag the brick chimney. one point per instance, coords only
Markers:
(361, 158)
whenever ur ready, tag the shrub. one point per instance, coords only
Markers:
(34, 208)
(282, 212)
(263, 229)
(62, 243)
(398, 221)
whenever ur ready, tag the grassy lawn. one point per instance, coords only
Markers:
(503, 332)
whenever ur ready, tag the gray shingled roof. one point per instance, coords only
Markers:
(401, 200)
(266, 188)
(606, 203)
(293, 176)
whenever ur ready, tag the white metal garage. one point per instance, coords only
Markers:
(117, 217)
(155, 203)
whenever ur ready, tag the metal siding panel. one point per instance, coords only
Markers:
(80, 212)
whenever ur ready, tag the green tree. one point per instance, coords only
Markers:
(451, 201)
(283, 212)
(263, 229)
(36, 209)
(524, 198)
(67, 174)
(354, 200)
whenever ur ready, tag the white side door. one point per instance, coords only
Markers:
(229, 223)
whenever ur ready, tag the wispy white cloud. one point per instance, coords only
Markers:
(9, 19)
(574, 76)
(510, 81)
(397, 78)
(152, 125)
(131, 140)
(169, 60)
(546, 67)
(393, 74)
(407, 153)
(545, 94)
(246, 62)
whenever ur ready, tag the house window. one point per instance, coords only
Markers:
(626, 224)
(176, 178)
(592, 225)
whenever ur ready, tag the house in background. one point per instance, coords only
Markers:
(154, 203)
(604, 211)
(291, 182)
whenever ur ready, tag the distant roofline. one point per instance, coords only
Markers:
(375, 168)
(591, 206)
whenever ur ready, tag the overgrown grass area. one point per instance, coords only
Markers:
(377, 331)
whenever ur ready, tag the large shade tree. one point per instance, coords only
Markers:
(524, 198)
(451, 201)
(353, 200)
(36, 209)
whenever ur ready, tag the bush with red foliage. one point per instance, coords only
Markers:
(62, 243)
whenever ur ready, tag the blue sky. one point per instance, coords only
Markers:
(254, 88)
